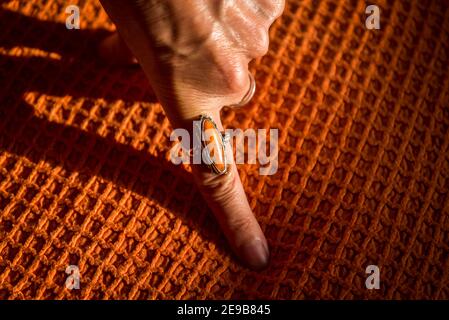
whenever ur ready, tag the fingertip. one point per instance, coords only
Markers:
(255, 253)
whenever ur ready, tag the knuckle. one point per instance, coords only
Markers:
(240, 223)
(236, 79)
(230, 69)
(274, 8)
(220, 187)
(278, 7)
(262, 43)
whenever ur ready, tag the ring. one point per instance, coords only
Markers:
(213, 145)
(250, 93)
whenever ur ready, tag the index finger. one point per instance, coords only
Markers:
(227, 199)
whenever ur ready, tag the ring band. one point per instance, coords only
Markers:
(250, 93)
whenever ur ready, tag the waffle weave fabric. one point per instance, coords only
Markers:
(363, 178)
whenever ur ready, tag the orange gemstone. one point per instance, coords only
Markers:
(214, 145)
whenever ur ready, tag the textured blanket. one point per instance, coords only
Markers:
(363, 180)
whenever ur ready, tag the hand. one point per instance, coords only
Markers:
(196, 55)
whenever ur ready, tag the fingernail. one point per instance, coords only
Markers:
(255, 253)
(267, 250)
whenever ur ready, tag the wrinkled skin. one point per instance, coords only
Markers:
(195, 54)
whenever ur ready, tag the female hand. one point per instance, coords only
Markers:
(196, 55)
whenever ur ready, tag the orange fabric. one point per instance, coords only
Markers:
(363, 164)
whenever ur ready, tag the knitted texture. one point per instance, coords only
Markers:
(363, 179)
